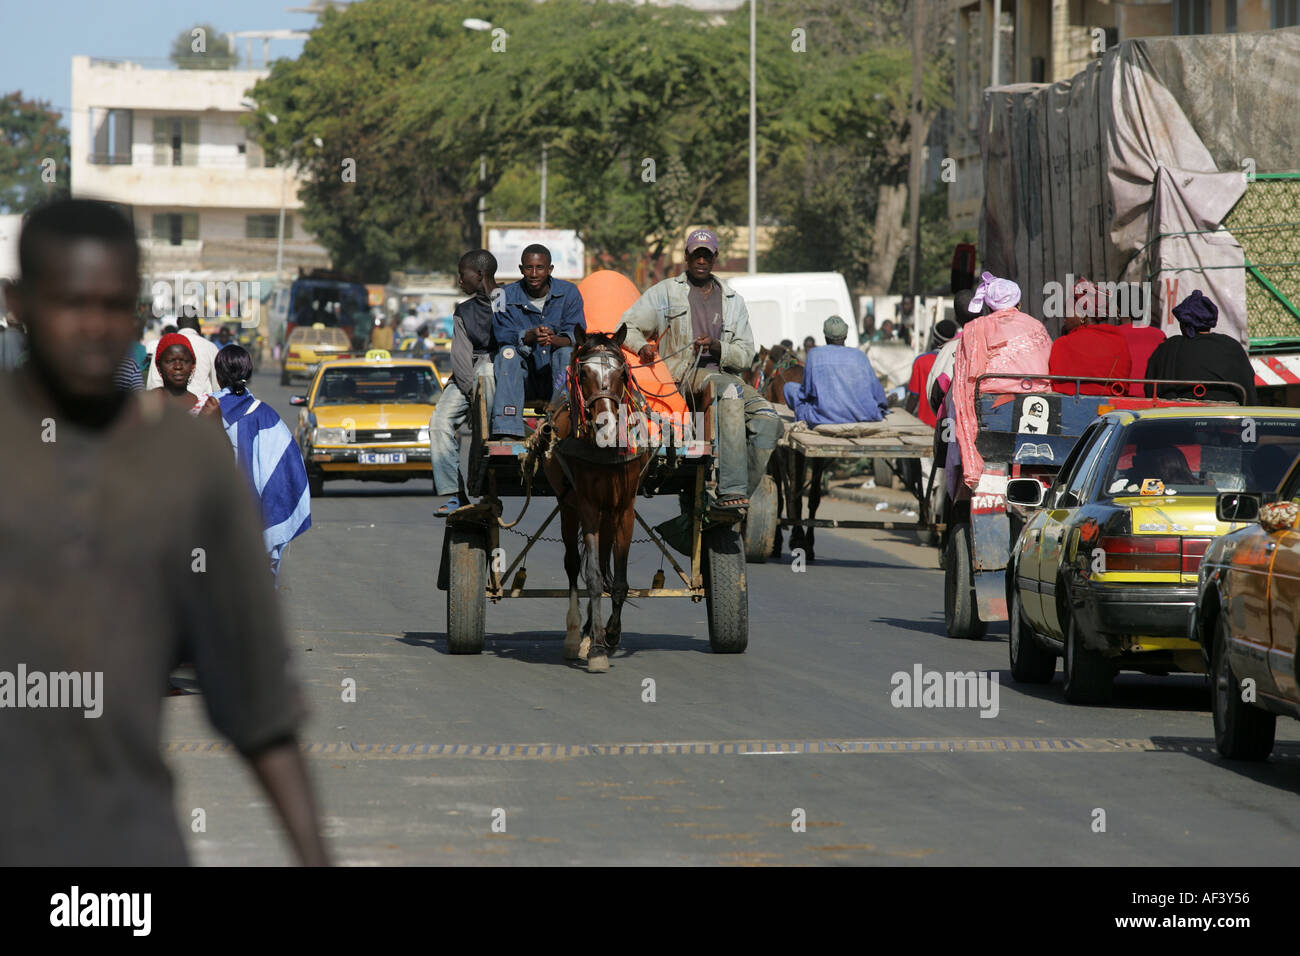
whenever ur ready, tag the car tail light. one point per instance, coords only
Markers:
(294, 353)
(1154, 553)
(1193, 551)
(1142, 553)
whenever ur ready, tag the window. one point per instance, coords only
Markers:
(1203, 457)
(110, 137)
(1192, 17)
(176, 227)
(1229, 16)
(267, 226)
(176, 141)
(1285, 13)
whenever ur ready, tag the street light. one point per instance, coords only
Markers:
(753, 143)
(473, 23)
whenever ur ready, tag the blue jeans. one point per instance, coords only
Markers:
(449, 414)
(524, 373)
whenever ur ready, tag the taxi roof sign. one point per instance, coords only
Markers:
(378, 355)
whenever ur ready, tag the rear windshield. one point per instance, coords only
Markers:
(362, 386)
(326, 338)
(1204, 456)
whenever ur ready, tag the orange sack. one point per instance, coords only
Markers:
(606, 295)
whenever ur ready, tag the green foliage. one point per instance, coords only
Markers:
(30, 134)
(217, 50)
(937, 243)
(644, 110)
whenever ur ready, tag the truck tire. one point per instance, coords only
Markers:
(960, 613)
(1031, 662)
(1089, 677)
(1241, 730)
(726, 594)
(466, 589)
(760, 523)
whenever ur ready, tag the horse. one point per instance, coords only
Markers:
(777, 366)
(596, 482)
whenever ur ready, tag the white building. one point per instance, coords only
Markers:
(168, 145)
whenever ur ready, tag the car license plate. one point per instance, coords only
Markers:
(382, 457)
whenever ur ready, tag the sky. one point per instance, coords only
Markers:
(42, 36)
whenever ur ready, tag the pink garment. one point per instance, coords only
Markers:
(1005, 341)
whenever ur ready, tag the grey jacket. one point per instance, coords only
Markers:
(664, 312)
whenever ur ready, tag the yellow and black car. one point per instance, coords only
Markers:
(1104, 574)
(368, 419)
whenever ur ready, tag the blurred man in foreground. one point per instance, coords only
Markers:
(110, 575)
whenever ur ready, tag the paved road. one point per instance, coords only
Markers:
(875, 783)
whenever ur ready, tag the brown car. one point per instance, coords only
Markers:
(1247, 616)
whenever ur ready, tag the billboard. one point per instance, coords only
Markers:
(568, 254)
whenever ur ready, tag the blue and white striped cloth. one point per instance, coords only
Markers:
(267, 454)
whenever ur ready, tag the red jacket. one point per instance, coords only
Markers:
(1090, 351)
(1142, 341)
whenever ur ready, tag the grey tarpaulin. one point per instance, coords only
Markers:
(1090, 175)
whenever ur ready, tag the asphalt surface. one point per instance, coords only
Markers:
(419, 768)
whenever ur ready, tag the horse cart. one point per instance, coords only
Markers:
(474, 570)
(779, 501)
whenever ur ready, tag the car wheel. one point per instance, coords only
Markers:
(1031, 662)
(1089, 676)
(1242, 731)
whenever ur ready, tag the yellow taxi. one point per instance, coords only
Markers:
(308, 348)
(368, 419)
(1105, 572)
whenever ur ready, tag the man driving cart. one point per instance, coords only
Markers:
(699, 327)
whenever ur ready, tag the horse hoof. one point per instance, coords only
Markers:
(584, 649)
(598, 662)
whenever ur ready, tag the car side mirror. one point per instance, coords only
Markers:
(298, 400)
(1236, 506)
(1025, 491)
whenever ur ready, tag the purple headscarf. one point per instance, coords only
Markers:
(1196, 314)
(998, 293)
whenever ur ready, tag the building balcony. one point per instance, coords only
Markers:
(234, 187)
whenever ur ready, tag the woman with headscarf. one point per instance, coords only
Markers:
(1200, 355)
(175, 360)
(1090, 347)
(1004, 339)
(266, 453)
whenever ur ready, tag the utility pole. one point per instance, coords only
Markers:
(914, 172)
(542, 217)
(753, 142)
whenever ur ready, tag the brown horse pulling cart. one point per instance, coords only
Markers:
(473, 569)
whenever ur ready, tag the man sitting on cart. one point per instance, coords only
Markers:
(534, 334)
(700, 327)
(839, 385)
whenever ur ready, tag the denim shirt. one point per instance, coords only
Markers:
(664, 312)
(561, 312)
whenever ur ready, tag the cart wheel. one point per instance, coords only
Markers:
(760, 523)
(880, 471)
(726, 594)
(960, 613)
(466, 589)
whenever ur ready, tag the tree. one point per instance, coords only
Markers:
(859, 98)
(203, 48)
(33, 153)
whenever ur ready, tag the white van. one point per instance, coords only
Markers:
(793, 305)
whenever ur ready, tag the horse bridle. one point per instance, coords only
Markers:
(602, 356)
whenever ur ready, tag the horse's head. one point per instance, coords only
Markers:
(599, 374)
